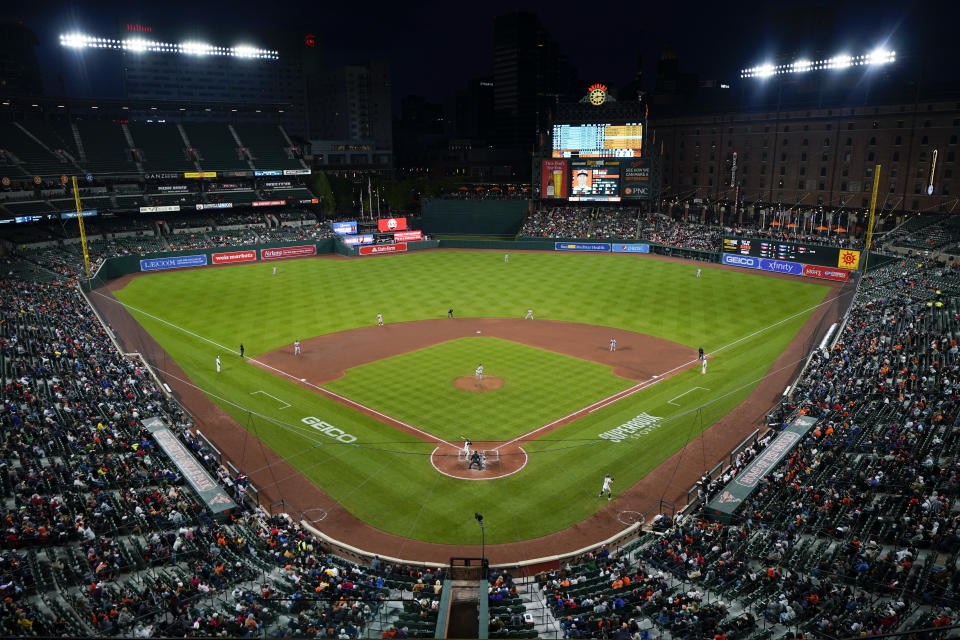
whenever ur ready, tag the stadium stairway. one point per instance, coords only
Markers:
(233, 132)
(543, 619)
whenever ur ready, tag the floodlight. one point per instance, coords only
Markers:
(195, 48)
(73, 40)
(765, 70)
(880, 56)
(841, 61)
(245, 51)
(135, 44)
(801, 65)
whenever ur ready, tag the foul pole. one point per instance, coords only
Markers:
(873, 210)
(83, 232)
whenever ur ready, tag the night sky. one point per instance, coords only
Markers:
(436, 47)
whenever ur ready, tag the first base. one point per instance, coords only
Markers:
(303, 379)
(478, 332)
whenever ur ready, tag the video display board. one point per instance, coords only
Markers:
(598, 140)
(595, 181)
(553, 176)
(793, 252)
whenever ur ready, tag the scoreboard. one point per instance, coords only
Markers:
(793, 252)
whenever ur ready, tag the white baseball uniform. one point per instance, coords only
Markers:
(296, 347)
(613, 344)
(529, 315)
(379, 319)
(218, 364)
(607, 483)
(479, 371)
(698, 273)
(703, 367)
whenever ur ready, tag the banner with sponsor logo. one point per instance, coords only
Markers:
(268, 203)
(234, 256)
(172, 187)
(270, 172)
(216, 499)
(635, 178)
(161, 176)
(343, 228)
(392, 224)
(161, 209)
(725, 503)
(582, 246)
(361, 239)
(781, 266)
(310, 201)
(631, 248)
(288, 252)
(408, 236)
(200, 174)
(178, 262)
(382, 248)
(296, 172)
(825, 273)
(748, 262)
(553, 178)
(215, 205)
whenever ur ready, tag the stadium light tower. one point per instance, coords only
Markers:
(877, 57)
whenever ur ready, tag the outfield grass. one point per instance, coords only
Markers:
(539, 386)
(386, 478)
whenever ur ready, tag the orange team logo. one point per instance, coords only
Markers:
(848, 259)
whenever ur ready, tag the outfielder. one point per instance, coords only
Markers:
(607, 484)
(296, 347)
(274, 271)
(698, 272)
(529, 315)
(506, 257)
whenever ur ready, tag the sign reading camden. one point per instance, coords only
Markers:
(635, 428)
(328, 429)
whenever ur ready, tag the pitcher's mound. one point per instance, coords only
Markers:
(473, 383)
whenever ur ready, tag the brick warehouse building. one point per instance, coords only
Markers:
(810, 157)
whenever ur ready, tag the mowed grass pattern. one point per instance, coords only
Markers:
(386, 478)
(539, 386)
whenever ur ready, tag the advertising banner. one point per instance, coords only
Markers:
(635, 182)
(296, 172)
(156, 264)
(200, 174)
(268, 203)
(392, 224)
(361, 239)
(345, 227)
(161, 209)
(408, 236)
(631, 248)
(310, 201)
(288, 252)
(581, 246)
(781, 266)
(825, 273)
(741, 261)
(234, 256)
(739, 489)
(553, 178)
(271, 172)
(383, 248)
(161, 176)
(215, 205)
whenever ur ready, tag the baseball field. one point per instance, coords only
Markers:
(374, 416)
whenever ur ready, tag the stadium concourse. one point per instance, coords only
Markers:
(855, 532)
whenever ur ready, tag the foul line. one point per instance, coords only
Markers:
(671, 400)
(600, 404)
(321, 390)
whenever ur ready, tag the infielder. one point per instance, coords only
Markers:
(450, 313)
(529, 315)
(607, 483)
(379, 319)
(703, 367)
(296, 347)
(479, 372)
(218, 364)
(613, 344)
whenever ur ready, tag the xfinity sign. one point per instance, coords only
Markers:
(741, 261)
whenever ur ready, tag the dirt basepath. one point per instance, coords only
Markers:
(669, 481)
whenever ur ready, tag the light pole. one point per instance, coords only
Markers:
(483, 544)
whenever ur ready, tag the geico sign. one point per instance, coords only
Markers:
(328, 429)
(739, 260)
